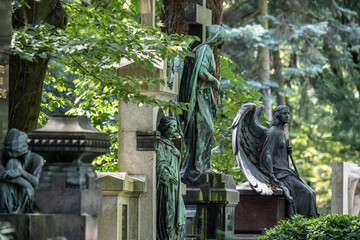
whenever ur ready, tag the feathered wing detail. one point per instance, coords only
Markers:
(248, 136)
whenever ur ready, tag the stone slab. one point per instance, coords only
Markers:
(45, 226)
(59, 199)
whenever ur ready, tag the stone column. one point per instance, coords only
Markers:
(345, 181)
(137, 139)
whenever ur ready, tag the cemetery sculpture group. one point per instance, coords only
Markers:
(198, 80)
(19, 174)
(171, 213)
(262, 155)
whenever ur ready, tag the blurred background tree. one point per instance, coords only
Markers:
(314, 68)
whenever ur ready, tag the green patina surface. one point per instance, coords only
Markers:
(171, 213)
(196, 88)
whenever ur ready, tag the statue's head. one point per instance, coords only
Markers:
(215, 36)
(168, 127)
(282, 115)
(15, 143)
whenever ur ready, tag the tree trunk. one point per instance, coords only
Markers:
(264, 60)
(173, 22)
(278, 77)
(171, 16)
(26, 78)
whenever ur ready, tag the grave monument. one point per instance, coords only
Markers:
(262, 155)
(209, 195)
(134, 199)
(68, 198)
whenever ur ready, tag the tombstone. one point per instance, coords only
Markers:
(5, 50)
(67, 197)
(345, 181)
(120, 211)
(198, 17)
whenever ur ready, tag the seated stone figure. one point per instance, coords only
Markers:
(263, 155)
(19, 174)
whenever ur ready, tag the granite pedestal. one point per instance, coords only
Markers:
(256, 212)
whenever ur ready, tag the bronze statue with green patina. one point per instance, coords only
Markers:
(263, 156)
(197, 83)
(171, 213)
(19, 174)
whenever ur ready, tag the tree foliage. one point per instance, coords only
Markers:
(318, 45)
(333, 226)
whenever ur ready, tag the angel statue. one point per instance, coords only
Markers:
(262, 155)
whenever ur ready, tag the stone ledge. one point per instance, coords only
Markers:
(246, 189)
(115, 183)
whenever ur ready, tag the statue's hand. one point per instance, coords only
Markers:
(11, 174)
(174, 181)
(289, 150)
(30, 192)
(217, 85)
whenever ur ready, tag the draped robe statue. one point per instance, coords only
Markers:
(19, 174)
(171, 213)
(196, 86)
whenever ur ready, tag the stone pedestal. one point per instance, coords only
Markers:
(210, 207)
(50, 226)
(120, 205)
(68, 197)
(256, 212)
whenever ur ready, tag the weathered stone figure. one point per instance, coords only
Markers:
(263, 157)
(196, 87)
(171, 213)
(19, 174)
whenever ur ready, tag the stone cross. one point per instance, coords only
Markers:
(5, 40)
(198, 17)
(147, 9)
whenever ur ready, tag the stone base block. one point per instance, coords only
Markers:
(210, 207)
(256, 212)
(45, 226)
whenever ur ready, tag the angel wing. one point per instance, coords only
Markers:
(248, 136)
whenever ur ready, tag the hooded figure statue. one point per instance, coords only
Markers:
(19, 174)
(196, 87)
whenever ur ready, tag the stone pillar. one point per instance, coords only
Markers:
(345, 181)
(137, 139)
(210, 207)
